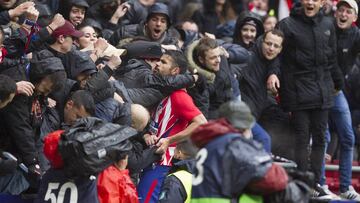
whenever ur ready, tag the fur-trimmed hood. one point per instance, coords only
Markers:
(210, 76)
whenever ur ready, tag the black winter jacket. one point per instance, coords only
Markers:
(309, 55)
(23, 117)
(97, 84)
(138, 30)
(135, 15)
(221, 90)
(253, 83)
(140, 156)
(4, 17)
(221, 86)
(21, 128)
(138, 74)
(348, 48)
(353, 86)
(207, 21)
(147, 97)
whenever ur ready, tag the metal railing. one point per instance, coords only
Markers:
(329, 167)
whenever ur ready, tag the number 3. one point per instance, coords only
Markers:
(60, 199)
(200, 157)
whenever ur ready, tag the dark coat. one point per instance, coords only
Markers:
(4, 17)
(14, 63)
(20, 128)
(147, 97)
(16, 43)
(147, 88)
(306, 81)
(76, 62)
(200, 95)
(103, 18)
(111, 110)
(22, 118)
(348, 48)
(219, 87)
(138, 74)
(138, 30)
(172, 190)
(223, 144)
(253, 82)
(175, 9)
(140, 157)
(207, 21)
(222, 90)
(353, 86)
(135, 15)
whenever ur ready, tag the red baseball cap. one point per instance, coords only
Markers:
(67, 29)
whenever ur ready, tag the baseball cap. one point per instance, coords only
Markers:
(238, 114)
(67, 29)
(351, 3)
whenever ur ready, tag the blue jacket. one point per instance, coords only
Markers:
(226, 165)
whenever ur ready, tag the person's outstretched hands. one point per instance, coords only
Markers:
(120, 12)
(20, 9)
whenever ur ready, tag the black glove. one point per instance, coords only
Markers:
(306, 177)
(201, 84)
(33, 177)
(7, 166)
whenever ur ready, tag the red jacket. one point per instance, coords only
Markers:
(115, 186)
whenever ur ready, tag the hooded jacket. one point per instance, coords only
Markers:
(306, 80)
(138, 30)
(348, 48)
(221, 86)
(22, 118)
(221, 145)
(240, 22)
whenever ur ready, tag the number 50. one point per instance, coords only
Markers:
(60, 199)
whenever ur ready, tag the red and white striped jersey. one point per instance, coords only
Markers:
(172, 116)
